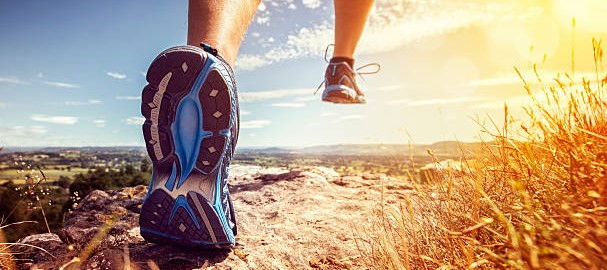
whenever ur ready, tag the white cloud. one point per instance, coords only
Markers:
(398, 101)
(63, 120)
(289, 105)
(306, 98)
(12, 80)
(3, 105)
(128, 97)
(311, 4)
(99, 122)
(62, 84)
(263, 20)
(348, 117)
(496, 81)
(443, 101)
(245, 112)
(23, 135)
(292, 6)
(396, 23)
(23, 131)
(254, 124)
(116, 75)
(272, 94)
(388, 88)
(433, 101)
(134, 120)
(516, 101)
(530, 77)
(533, 80)
(392, 25)
(80, 103)
(326, 114)
(250, 62)
(309, 41)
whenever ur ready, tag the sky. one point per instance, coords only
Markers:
(72, 71)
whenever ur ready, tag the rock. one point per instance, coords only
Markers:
(288, 219)
(117, 211)
(236, 170)
(41, 247)
(314, 179)
(281, 176)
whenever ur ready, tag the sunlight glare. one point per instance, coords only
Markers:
(456, 75)
(530, 39)
(590, 15)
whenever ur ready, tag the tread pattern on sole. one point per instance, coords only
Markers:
(160, 98)
(181, 229)
(185, 217)
(216, 110)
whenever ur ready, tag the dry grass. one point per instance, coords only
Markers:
(6, 256)
(537, 199)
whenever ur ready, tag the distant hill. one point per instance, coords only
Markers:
(444, 148)
(54, 149)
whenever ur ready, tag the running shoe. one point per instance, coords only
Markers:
(340, 83)
(191, 128)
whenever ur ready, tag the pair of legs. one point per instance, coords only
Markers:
(223, 23)
(192, 119)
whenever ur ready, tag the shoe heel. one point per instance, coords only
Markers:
(186, 221)
(189, 111)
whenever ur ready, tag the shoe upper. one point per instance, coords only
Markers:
(339, 75)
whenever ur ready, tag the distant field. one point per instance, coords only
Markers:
(51, 174)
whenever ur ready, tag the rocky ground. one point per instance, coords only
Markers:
(308, 218)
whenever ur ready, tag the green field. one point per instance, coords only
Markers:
(51, 174)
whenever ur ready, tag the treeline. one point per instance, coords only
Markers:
(20, 203)
(104, 179)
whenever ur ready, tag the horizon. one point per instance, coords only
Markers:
(443, 65)
(286, 147)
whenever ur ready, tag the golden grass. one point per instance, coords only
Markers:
(537, 199)
(6, 257)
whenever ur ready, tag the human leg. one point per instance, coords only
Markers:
(340, 76)
(220, 23)
(192, 118)
(350, 19)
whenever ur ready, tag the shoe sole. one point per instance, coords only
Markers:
(340, 94)
(188, 107)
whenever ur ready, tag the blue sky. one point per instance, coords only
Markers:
(72, 71)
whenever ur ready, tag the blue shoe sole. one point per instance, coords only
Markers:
(189, 106)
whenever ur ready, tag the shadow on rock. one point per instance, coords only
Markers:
(168, 257)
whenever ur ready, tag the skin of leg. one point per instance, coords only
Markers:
(220, 23)
(350, 19)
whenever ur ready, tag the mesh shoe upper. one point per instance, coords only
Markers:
(340, 79)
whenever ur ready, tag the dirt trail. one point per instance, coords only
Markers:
(308, 218)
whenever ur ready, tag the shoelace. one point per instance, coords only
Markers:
(209, 49)
(359, 71)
